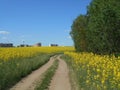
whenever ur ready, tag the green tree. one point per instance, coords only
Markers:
(78, 33)
(103, 31)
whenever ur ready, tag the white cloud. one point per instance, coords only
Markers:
(4, 32)
(69, 37)
(67, 30)
(4, 38)
(25, 36)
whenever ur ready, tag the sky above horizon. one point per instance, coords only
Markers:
(33, 21)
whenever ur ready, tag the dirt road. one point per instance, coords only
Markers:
(60, 80)
(29, 82)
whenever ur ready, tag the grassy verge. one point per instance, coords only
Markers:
(44, 84)
(13, 70)
(72, 74)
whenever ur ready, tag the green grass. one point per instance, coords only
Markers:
(13, 70)
(44, 84)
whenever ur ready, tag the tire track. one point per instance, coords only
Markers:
(61, 80)
(29, 82)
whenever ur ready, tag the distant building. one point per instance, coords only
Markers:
(23, 45)
(6, 45)
(53, 45)
(38, 45)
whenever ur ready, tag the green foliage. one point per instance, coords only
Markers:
(102, 29)
(103, 26)
(78, 33)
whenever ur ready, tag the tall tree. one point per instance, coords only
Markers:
(78, 33)
(103, 33)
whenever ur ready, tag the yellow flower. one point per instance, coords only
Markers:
(103, 81)
(87, 81)
(98, 70)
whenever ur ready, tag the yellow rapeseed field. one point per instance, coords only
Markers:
(16, 63)
(12, 53)
(96, 72)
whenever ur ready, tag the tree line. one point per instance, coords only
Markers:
(99, 30)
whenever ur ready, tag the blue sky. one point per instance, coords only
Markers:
(33, 21)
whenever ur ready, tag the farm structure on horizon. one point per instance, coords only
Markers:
(53, 45)
(6, 44)
(38, 45)
(24, 45)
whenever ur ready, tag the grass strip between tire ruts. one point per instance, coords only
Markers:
(45, 82)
